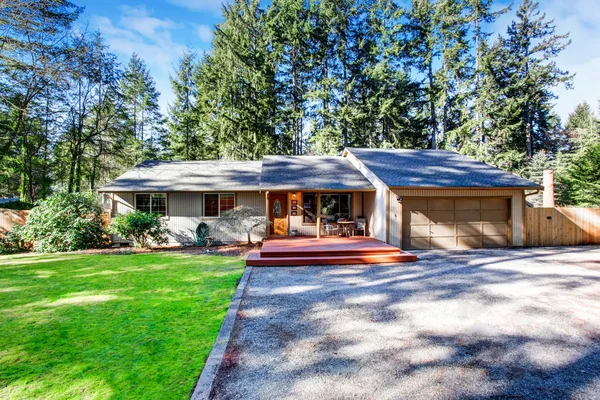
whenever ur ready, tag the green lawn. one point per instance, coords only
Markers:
(110, 326)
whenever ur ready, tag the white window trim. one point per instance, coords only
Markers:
(151, 193)
(218, 201)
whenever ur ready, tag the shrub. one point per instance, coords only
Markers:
(141, 228)
(66, 222)
(13, 241)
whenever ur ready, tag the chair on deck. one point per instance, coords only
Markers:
(360, 225)
(329, 229)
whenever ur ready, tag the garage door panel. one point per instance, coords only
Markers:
(415, 217)
(447, 223)
(494, 215)
(469, 242)
(495, 229)
(495, 241)
(467, 204)
(443, 242)
(414, 205)
(441, 204)
(416, 243)
(467, 216)
(441, 216)
(469, 229)
(442, 230)
(416, 231)
(494, 203)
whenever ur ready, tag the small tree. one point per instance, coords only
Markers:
(141, 228)
(66, 222)
(242, 219)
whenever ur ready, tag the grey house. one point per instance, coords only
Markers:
(412, 199)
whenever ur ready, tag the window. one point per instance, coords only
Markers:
(217, 203)
(309, 205)
(333, 206)
(155, 203)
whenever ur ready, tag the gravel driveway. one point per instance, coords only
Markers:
(503, 324)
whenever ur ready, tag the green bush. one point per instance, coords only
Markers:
(141, 228)
(579, 183)
(66, 222)
(13, 241)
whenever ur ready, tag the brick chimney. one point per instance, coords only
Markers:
(548, 188)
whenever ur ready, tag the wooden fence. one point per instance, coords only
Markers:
(562, 226)
(9, 218)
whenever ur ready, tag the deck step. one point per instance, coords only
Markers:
(255, 259)
(327, 252)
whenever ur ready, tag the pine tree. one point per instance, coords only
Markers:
(582, 128)
(243, 86)
(186, 141)
(526, 75)
(33, 55)
(144, 119)
(424, 52)
(480, 12)
(289, 29)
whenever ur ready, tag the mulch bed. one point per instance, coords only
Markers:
(232, 250)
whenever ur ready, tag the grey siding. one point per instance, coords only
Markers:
(185, 212)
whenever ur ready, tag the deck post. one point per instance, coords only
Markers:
(318, 215)
(267, 214)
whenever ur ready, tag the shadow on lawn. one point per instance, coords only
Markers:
(141, 332)
(469, 325)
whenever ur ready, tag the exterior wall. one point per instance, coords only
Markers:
(295, 222)
(395, 220)
(369, 208)
(517, 212)
(378, 217)
(184, 213)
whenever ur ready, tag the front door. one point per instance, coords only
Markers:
(278, 214)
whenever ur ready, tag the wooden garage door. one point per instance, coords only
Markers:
(454, 223)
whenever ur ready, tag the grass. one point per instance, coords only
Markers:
(137, 326)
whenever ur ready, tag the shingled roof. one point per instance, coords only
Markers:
(170, 176)
(311, 173)
(435, 168)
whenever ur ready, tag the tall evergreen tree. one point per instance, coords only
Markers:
(582, 128)
(144, 118)
(185, 138)
(525, 74)
(33, 58)
(243, 87)
(424, 52)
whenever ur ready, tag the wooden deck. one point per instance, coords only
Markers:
(295, 251)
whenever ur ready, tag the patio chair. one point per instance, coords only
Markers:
(329, 229)
(360, 225)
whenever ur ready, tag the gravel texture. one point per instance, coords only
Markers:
(502, 324)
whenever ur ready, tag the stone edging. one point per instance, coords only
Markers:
(209, 373)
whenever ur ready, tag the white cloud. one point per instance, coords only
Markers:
(200, 5)
(205, 33)
(139, 20)
(148, 36)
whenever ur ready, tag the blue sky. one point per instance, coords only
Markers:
(158, 30)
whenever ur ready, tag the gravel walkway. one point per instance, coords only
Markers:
(502, 324)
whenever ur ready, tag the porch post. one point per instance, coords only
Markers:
(318, 215)
(267, 214)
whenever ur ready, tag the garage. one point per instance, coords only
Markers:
(455, 223)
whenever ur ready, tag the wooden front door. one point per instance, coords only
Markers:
(278, 214)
